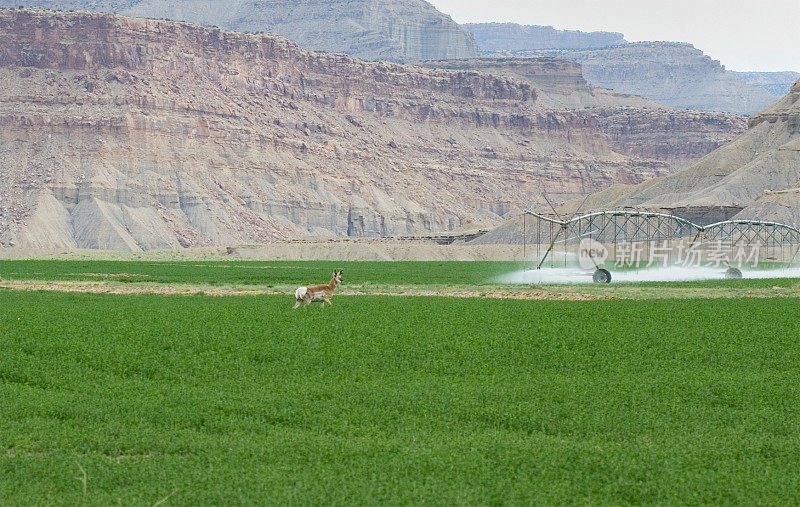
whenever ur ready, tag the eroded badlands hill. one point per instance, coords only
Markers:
(757, 174)
(123, 133)
(396, 30)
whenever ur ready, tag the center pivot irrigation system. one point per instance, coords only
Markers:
(618, 234)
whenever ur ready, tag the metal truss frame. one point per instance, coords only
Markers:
(644, 227)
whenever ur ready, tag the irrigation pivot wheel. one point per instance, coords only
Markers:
(733, 274)
(602, 276)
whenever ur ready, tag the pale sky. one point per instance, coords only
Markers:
(742, 34)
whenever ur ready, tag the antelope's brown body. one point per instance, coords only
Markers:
(318, 293)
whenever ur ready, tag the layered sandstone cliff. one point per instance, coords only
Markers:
(670, 73)
(776, 83)
(131, 134)
(396, 30)
(675, 74)
(497, 37)
(637, 127)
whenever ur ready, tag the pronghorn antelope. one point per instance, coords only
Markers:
(318, 293)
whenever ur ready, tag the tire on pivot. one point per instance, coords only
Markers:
(602, 276)
(733, 274)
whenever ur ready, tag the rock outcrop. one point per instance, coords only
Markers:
(559, 83)
(396, 30)
(496, 37)
(675, 74)
(670, 73)
(757, 174)
(637, 127)
(776, 83)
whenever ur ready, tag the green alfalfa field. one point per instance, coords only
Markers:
(193, 399)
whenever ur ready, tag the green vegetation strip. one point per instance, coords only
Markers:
(368, 276)
(260, 273)
(400, 400)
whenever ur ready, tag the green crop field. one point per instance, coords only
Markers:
(197, 400)
(292, 273)
(258, 272)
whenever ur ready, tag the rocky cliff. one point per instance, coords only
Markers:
(756, 174)
(776, 83)
(492, 37)
(131, 134)
(674, 74)
(559, 83)
(636, 126)
(396, 30)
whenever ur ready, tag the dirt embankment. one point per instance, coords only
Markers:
(188, 290)
(524, 292)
